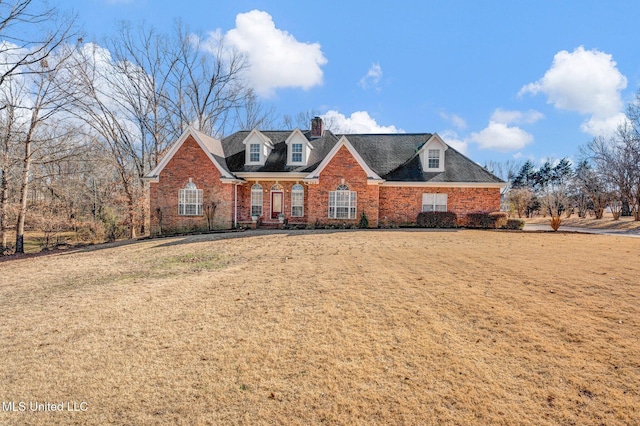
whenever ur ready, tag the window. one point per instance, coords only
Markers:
(434, 158)
(254, 152)
(342, 203)
(296, 153)
(256, 200)
(297, 200)
(434, 202)
(190, 200)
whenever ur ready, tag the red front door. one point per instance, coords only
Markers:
(277, 207)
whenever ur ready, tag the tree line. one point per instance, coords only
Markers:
(605, 176)
(81, 124)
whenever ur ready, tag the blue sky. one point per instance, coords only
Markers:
(496, 79)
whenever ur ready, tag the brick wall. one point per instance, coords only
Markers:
(401, 204)
(382, 204)
(343, 166)
(190, 162)
(244, 200)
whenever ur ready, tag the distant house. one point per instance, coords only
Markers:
(315, 176)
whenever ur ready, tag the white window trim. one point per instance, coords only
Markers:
(259, 160)
(256, 192)
(190, 200)
(434, 202)
(349, 201)
(430, 158)
(298, 191)
(302, 156)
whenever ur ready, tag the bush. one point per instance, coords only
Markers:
(555, 222)
(437, 220)
(364, 222)
(514, 224)
(487, 220)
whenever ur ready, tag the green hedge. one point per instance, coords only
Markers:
(437, 220)
(487, 220)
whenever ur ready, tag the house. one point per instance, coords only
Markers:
(311, 177)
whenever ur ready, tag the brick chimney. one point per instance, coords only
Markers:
(316, 128)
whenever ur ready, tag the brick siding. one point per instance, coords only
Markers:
(343, 166)
(190, 162)
(401, 204)
(384, 205)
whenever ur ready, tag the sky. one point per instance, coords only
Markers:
(497, 80)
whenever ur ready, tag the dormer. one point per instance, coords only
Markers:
(432, 154)
(298, 149)
(257, 148)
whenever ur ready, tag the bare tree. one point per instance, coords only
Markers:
(207, 84)
(29, 32)
(46, 91)
(8, 127)
(590, 186)
(106, 121)
(617, 159)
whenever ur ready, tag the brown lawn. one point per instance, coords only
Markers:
(622, 224)
(351, 327)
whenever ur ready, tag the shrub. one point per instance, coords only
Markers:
(487, 220)
(364, 222)
(555, 222)
(437, 220)
(514, 224)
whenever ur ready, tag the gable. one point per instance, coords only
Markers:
(344, 143)
(211, 147)
(432, 154)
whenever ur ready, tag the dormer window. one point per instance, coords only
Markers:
(432, 155)
(298, 149)
(258, 148)
(254, 152)
(434, 158)
(296, 153)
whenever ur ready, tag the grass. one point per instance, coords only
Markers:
(348, 327)
(623, 224)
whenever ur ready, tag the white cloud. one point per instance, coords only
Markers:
(501, 134)
(372, 78)
(455, 119)
(516, 117)
(501, 137)
(586, 81)
(358, 122)
(603, 126)
(451, 138)
(276, 58)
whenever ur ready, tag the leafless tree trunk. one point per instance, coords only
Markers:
(46, 91)
(6, 139)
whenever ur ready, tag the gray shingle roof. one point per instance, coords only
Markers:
(394, 157)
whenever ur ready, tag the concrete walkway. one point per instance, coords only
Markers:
(620, 233)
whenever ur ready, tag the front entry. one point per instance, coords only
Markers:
(277, 203)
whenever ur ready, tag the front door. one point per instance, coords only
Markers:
(277, 207)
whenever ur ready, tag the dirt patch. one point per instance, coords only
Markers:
(351, 327)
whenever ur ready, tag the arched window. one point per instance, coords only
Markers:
(342, 203)
(190, 200)
(256, 200)
(276, 187)
(297, 200)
